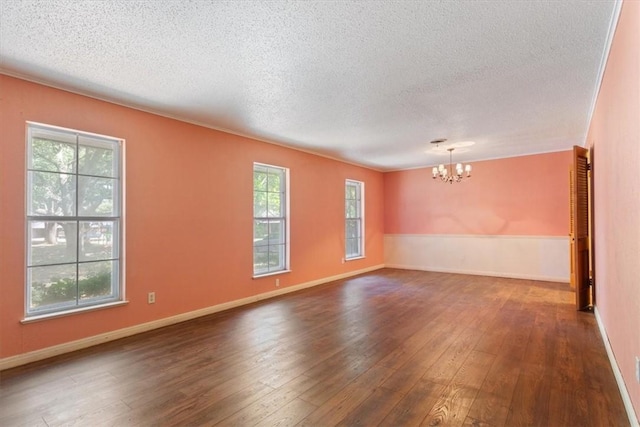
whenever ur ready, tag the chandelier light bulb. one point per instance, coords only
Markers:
(448, 173)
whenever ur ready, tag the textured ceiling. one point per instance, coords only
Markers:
(370, 82)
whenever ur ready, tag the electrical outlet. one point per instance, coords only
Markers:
(277, 282)
(151, 298)
(638, 369)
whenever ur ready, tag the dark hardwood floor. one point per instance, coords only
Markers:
(392, 348)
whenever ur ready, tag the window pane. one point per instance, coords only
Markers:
(97, 240)
(51, 194)
(276, 235)
(349, 247)
(259, 179)
(96, 196)
(52, 155)
(276, 257)
(259, 204)
(260, 232)
(274, 206)
(352, 229)
(274, 181)
(353, 247)
(351, 209)
(97, 280)
(52, 242)
(260, 259)
(52, 287)
(351, 192)
(97, 157)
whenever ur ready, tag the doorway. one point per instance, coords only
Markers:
(580, 229)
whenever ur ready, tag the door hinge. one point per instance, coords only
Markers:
(588, 166)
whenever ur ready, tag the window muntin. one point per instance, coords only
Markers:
(270, 222)
(354, 219)
(74, 220)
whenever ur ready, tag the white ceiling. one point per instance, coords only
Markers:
(370, 82)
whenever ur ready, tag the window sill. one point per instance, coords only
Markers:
(271, 273)
(354, 258)
(38, 318)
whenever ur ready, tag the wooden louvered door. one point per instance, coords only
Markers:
(579, 237)
(572, 202)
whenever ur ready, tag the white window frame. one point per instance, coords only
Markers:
(283, 242)
(115, 233)
(357, 218)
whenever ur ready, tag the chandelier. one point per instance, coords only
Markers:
(446, 173)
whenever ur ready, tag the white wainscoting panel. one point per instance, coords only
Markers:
(520, 257)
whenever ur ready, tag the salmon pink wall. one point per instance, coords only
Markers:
(188, 214)
(614, 136)
(526, 196)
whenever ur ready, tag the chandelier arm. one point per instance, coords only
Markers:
(445, 172)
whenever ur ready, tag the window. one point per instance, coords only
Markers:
(270, 219)
(354, 219)
(74, 220)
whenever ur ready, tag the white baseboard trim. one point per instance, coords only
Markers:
(626, 399)
(45, 353)
(479, 273)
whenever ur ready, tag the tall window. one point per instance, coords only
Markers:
(270, 222)
(354, 219)
(74, 220)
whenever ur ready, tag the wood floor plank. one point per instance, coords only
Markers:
(103, 414)
(531, 396)
(490, 409)
(473, 422)
(415, 405)
(391, 347)
(474, 369)
(446, 366)
(452, 407)
(24, 421)
(403, 380)
(343, 402)
(198, 410)
(373, 408)
(496, 391)
(569, 406)
(423, 345)
(270, 403)
(288, 415)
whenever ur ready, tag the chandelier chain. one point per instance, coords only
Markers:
(446, 172)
